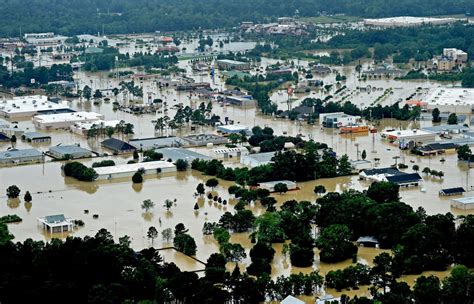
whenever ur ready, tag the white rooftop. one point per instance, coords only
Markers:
(450, 96)
(465, 200)
(232, 128)
(68, 117)
(406, 133)
(25, 104)
(409, 20)
(103, 123)
(133, 167)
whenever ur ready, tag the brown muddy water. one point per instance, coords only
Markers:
(117, 202)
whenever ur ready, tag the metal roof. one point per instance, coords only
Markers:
(15, 154)
(465, 200)
(53, 219)
(68, 149)
(180, 153)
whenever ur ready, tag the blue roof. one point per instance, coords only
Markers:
(15, 154)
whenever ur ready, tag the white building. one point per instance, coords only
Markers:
(230, 152)
(465, 203)
(337, 120)
(65, 120)
(232, 129)
(27, 106)
(406, 21)
(82, 128)
(407, 139)
(459, 56)
(127, 170)
(450, 100)
(56, 223)
(258, 159)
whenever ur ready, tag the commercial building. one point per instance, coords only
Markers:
(242, 101)
(56, 223)
(127, 170)
(405, 179)
(452, 191)
(407, 21)
(359, 165)
(146, 144)
(408, 139)
(291, 300)
(450, 100)
(35, 137)
(337, 120)
(24, 156)
(117, 145)
(230, 152)
(65, 120)
(27, 106)
(270, 186)
(447, 129)
(69, 152)
(232, 129)
(205, 139)
(466, 203)
(258, 159)
(174, 154)
(82, 128)
(378, 174)
(226, 64)
(436, 148)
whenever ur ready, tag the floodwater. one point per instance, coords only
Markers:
(117, 202)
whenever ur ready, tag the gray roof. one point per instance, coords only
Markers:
(69, 149)
(437, 129)
(15, 154)
(367, 239)
(117, 145)
(157, 142)
(291, 300)
(55, 218)
(180, 153)
(35, 135)
(262, 157)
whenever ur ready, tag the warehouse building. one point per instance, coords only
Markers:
(127, 170)
(24, 156)
(27, 106)
(69, 152)
(35, 137)
(65, 120)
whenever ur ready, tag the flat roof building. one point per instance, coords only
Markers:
(225, 64)
(27, 106)
(205, 139)
(270, 186)
(258, 159)
(127, 170)
(450, 100)
(465, 203)
(65, 120)
(69, 152)
(232, 129)
(240, 101)
(406, 21)
(180, 153)
(407, 139)
(15, 156)
(337, 120)
(82, 128)
(56, 223)
(35, 137)
(146, 144)
(230, 152)
(117, 145)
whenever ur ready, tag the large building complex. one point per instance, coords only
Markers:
(65, 120)
(27, 106)
(406, 21)
(450, 100)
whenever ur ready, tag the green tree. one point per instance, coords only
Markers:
(452, 119)
(384, 192)
(344, 168)
(185, 243)
(200, 189)
(181, 165)
(281, 188)
(464, 152)
(28, 197)
(137, 178)
(335, 245)
(212, 183)
(416, 168)
(152, 234)
(13, 191)
(135, 155)
(5, 235)
(427, 290)
(436, 117)
(87, 93)
(168, 204)
(147, 205)
(98, 94)
(364, 155)
(319, 189)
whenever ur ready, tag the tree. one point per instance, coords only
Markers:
(181, 165)
(344, 168)
(459, 286)
(152, 234)
(147, 205)
(87, 93)
(452, 119)
(13, 191)
(426, 170)
(185, 243)
(427, 290)
(416, 168)
(135, 155)
(464, 153)
(137, 178)
(436, 117)
(319, 189)
(200, 189)
(335, 245)
(384, 192)
(167, 234)
(168, 204)
(281, 188)
(98, 94)
(109, 131)
(27, 197)
(215, 268)
(5, 235)
(364, 155)
(212, 183)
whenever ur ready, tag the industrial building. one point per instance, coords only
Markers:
(24, 156)
(407, 21)
(205, 139)
(465, 203)
(408, 139)
(117, 145)
(27, 106)
(232, 129)
(337, 120)
(69, 152)
(127, 170)
(242, 101)
(65, 120)
(82, 128)
(174, 154)
(258, 159)
(230, 152)
(450, 100)
(35, 137)
(146, 144)
(226, 64)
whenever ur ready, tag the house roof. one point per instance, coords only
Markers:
(291, 300)
(453, 190)
(15, 154)
(118, 145)
(404, 178)
(378, 171)
(68, 149)
(52, 219)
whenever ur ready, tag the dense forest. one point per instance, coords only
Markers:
(127, 16)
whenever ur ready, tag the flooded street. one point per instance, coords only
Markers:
(118, 202)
